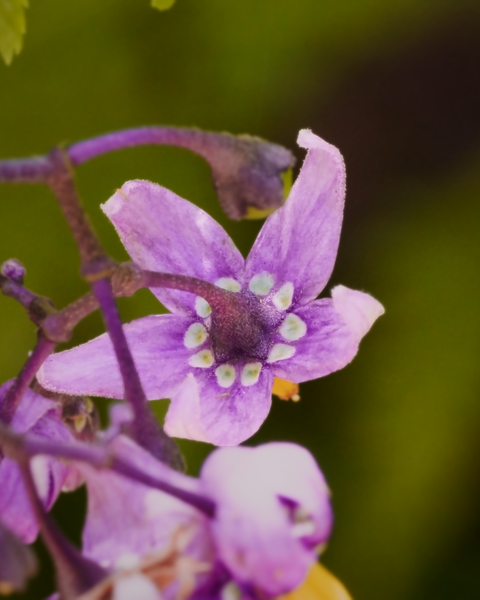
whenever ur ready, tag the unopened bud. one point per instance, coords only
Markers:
(13, 269)
(251, 176)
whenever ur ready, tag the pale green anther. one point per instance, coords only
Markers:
(225, 375)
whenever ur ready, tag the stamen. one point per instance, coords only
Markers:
(303, 525)
(283, 297)
(195, 335)
(251, 373)
(261, 284)
(225, 375)
(293, 328)
(202, 308)
(129, 560)
(231, 591)
(280, 352)
(203, 359)
(229, 284)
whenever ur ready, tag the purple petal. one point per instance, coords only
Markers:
(358, 310)
(202, 410)
(157, 346)
(299, 242)
(125, 517)
(163, 232)
(334, 330)
(32, 408)
(257, 537)
(38, 416)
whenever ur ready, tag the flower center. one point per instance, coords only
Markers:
(242, 327)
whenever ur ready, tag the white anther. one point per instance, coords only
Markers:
(280, 352)
(136, 585)
(231, 591)
(251, 373)
(229, 284)
(225, 375)
(304, 529)
(40, 466)
(283, 297)
(261, 284)
(202, 359)
(195, 335)
(129, 560)
(303, 524)
(202, 308)
(293, 328)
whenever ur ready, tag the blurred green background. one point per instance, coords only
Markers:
(396, 86)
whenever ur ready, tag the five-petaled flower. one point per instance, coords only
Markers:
(217, 362)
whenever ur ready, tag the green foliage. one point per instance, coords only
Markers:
(12, 27)
(162, 4)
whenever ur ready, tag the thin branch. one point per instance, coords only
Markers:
(75, 573)
(146, 430)
(13, 397)
(171, 482)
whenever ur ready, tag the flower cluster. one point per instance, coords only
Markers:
(252, 525)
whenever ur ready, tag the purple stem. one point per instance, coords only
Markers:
(75, 573)
(200, 142)
(25, 170)
(217, 297)
(145, 428)
(171, 482)
(42, 350)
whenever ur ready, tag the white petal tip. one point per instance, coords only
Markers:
(308, 140)
(358, 310)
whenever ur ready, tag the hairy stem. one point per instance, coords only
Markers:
(13, 397)
(145, 428)
(75, 573)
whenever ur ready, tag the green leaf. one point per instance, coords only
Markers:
(161, 4)
(12, 27)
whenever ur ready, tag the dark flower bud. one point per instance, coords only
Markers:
(251, 176)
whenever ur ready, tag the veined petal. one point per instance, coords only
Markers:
(258, 492)
(125, 517)
(157, 345)
(330, 344)
(163, 232)
(298, 243)
(204, 410)
(358, 310)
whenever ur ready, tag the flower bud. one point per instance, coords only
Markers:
(13, 269)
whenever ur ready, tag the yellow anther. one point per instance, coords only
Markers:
(285, 390)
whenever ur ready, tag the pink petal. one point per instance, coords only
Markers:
(163, 232)
(299, 242)
(91, 369)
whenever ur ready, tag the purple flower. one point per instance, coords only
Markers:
(217, 362)
(272, 511)
(38, 416)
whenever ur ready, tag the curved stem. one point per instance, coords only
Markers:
(146, 430)
(215, 296)
(200, 142)
(14, 395)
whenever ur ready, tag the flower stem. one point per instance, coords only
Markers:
(75, 573)
(145, 428)
(200, 142)
(42, 350)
